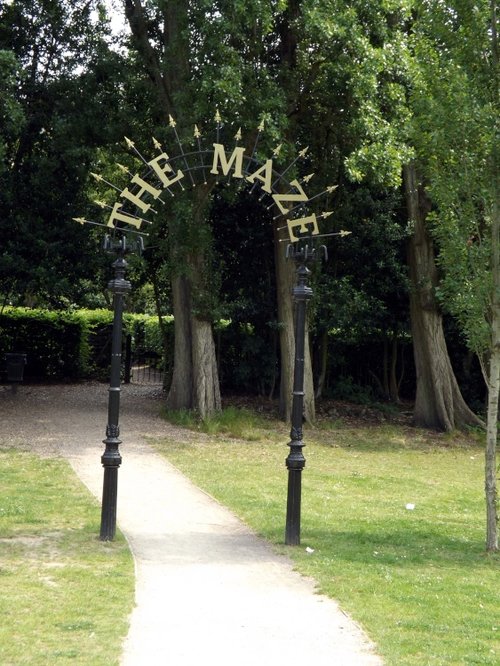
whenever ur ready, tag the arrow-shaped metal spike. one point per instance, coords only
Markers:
(302, 153)
(131, 145)
(197, 136)
(100, 179)
(82, 220)
(260, 129)
(341, 233)
(159, 147)
(123, 168)
(103, 204)
(328, 190)
(218, 121)
(173, 124)
(218, 127)
(322, 215)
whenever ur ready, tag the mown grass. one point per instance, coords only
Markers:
(65, 596)
(418, 580)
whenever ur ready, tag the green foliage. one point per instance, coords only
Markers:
(365, 85)
(455, 131)
(11, 112)
(233, 422)
(248, 358)
(359, 52)
(54, 55)
(362, 290)
(346, 389)
(147, 334)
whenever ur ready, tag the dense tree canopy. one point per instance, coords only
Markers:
(59, 74)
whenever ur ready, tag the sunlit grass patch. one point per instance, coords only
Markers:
(66, 596)
(395, 519)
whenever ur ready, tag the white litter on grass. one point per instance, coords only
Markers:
(410, 506)
(309, 550)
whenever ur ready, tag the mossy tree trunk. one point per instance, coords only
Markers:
(195, 383)
(439, 403)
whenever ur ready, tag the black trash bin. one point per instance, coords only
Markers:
(15, 363)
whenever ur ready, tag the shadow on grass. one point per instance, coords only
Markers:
(382, 438)
(404, 547)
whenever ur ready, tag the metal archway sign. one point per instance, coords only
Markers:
(168, 173)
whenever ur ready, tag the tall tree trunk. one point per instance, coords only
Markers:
(490, 465)
(195, 381)
(439, 403)
(494, 379)
(393, 380)
(205, 375)
(180, 395)
(323, 364)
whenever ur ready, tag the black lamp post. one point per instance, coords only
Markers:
(111, 458)
(295, 461)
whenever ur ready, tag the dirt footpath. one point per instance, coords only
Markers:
(60, 419)
(207, 589)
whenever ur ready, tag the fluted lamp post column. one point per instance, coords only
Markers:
(111, 458)
(295, 461)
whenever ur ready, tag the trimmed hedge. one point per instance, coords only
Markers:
(69, 345)
(56, 343)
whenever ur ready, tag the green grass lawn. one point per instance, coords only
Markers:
(418, 580)
(65, 596)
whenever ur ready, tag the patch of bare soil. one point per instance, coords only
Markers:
(346, 413)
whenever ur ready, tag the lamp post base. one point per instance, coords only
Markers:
(292, 532)
(109, 501)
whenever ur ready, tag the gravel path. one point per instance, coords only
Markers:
(207, 590)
